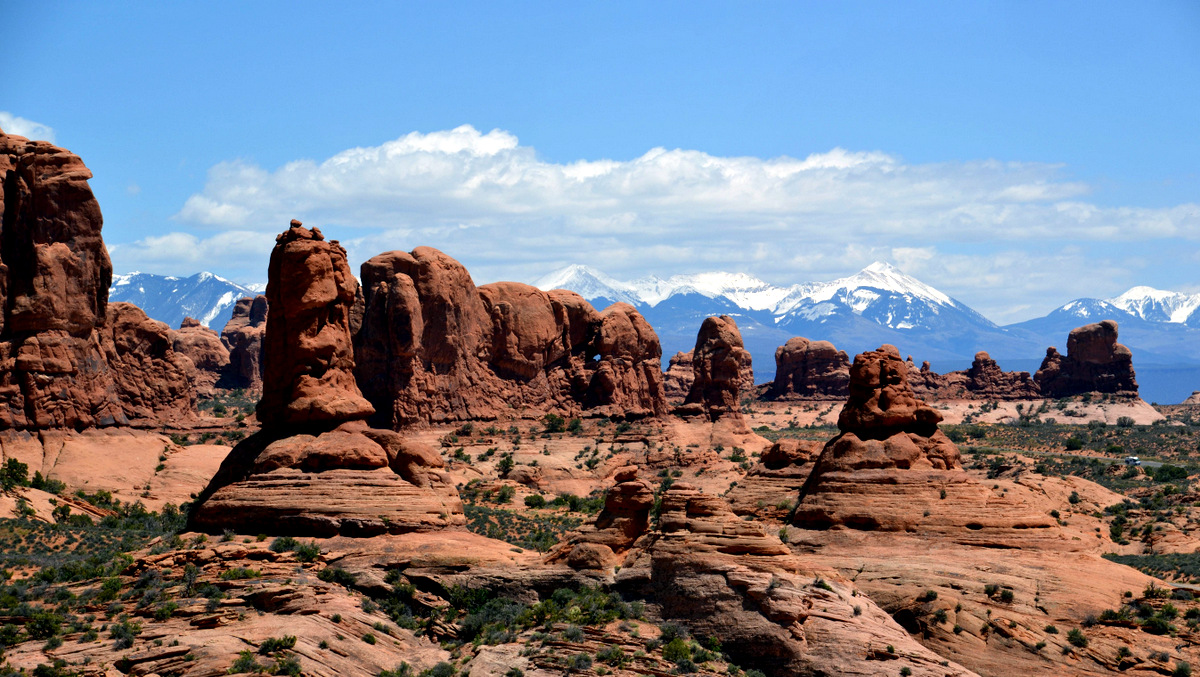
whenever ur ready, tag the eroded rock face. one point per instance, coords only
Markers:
(720, 364)
(242, 337)
(892, 469)
(1094, 362)
(734, 579)
(809, 370)
(308, 358)
(316, 468)
(153, 381)
(432, 347)
(772, 485)
(204, 348)
(985, 380)
(54, 279)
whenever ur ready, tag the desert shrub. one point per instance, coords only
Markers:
(273, 644)
(1076, 637)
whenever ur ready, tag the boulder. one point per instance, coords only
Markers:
(809, 370)
(1094, 362)
(204, 348)
(316, 468)
(242, 338)
(432, 347)
(720, 365)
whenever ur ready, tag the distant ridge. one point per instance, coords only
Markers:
(208, 298)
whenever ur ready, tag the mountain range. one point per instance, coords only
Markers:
(203, 296)
(879, 304)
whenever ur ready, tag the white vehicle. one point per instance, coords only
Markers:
(1132, 460)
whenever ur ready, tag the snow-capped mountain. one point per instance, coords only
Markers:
(1156, 305)
(879, 292)
(879, 304)
(204, 296)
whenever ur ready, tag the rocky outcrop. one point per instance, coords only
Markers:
(204, 348)
(809, 370)
(431, 347)
(153, 381)
(680, 375)
(770, 488)
(54, 279)
(1194, 398)
(316, 468)
(892, 469)
(624, 519)
(1094, 362)
(726, 577)
(720, 365)
(242, 337)
(983, 381)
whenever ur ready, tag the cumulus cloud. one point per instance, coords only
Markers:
(239, 254)
(510, 214)
(11, 124)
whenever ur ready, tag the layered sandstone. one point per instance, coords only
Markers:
(809, 370)
(54, 279)
(243, 339)
(204, 348)
(720, 366)
(985, 380)
(432, 347)
(770, 488)
(892, 469)
(734, 579)
(1094, 362)
(316, 468)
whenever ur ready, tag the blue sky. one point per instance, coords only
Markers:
(1015, 155)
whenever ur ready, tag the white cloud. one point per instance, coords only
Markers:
(235, 254)
(509, 214)
(11, 124)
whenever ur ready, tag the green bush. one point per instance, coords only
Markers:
(1076, 637)
(535, 501)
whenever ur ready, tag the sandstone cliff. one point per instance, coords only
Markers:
(809, 370)
(1094, 362)
(433, 347)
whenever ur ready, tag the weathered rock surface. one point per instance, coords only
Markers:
(983, 381)
(204, 348)
(772, 485)
(432, 347)
(1094, 362)
(153, 381)
(809, 370)
(315, 468)
(681, 374)
(891, 469)
(729, 578)
(243, 337)
(54, 279)
(720, 364)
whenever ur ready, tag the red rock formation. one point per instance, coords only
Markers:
(432, 347)
(892, 469)
(1094, 362)
(983, 381)
(242, 337)
(809, 370)
(316, 468)
(720, 365)
(770, 489)
(54, 279)
(308, 359)
(153, 381)
(204, 348)
(681, 374)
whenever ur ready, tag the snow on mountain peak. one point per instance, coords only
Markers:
(883, 276)
(588, 283)
(1158, 305)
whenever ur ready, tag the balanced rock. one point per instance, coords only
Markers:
(204, 348)
(242, 338)
(316, 468)
(54, 279)
(720, 365)
(892, 469)
(1094, 362)
(809, 370)
(433, 347)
